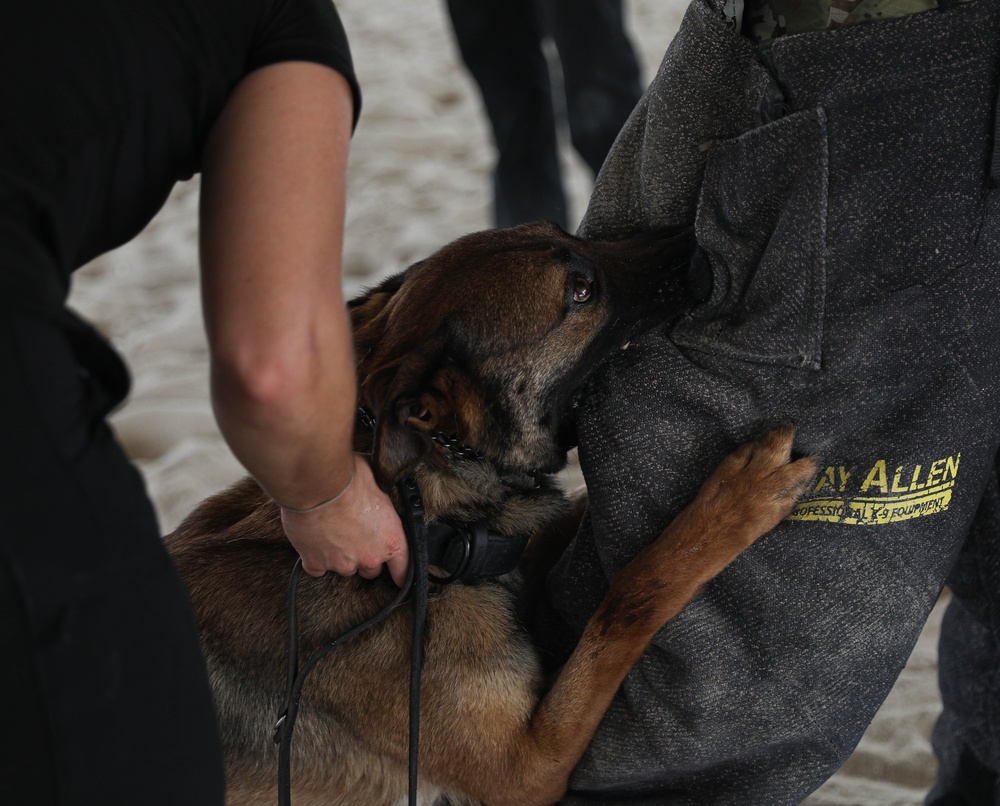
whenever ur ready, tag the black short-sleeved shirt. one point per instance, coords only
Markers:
(105, 104)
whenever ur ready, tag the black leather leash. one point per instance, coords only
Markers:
(296, 677)
(466, 553)
(416, 536)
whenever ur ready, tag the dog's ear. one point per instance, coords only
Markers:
(410, 409)
(403, 437)
(366, 311)
(371, 301)
(397, 451)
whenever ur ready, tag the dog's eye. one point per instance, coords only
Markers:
(581, 289)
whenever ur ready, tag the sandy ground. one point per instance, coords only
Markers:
(418, 179)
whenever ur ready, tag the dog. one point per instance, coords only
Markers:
(489, 341)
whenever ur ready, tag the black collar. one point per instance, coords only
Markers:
(472, 552)
(466, 552)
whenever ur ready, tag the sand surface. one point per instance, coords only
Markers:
(418, 178)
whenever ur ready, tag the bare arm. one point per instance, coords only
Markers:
(283, 371)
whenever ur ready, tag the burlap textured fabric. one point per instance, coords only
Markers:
(840, 187)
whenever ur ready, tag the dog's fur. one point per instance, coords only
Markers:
(491, 339)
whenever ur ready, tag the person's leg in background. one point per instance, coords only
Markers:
(500, 43)
(600, 72)
(839, 189)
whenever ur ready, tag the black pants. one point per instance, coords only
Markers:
(106, 699)
(500, 42)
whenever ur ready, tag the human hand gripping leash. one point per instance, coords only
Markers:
(417, 581)
(467, 553)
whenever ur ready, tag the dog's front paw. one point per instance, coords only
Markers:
(756, 486)
(749, 493)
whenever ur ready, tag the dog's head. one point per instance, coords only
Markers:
(492, 337)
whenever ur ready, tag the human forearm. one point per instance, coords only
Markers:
(283, 374)
(287, 410)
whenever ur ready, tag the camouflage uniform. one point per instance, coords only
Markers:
(765, 19)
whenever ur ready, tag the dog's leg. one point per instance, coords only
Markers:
(751, 491)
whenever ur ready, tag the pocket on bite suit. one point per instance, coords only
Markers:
(761, 231)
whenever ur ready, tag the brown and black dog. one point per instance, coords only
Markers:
(490, 339)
